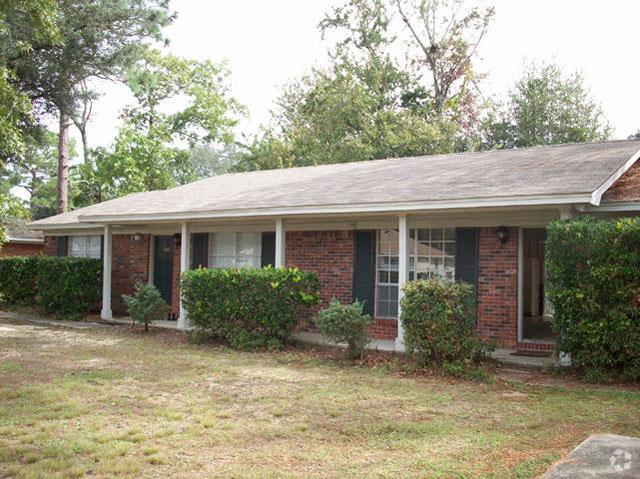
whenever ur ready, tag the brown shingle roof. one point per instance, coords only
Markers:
(540, 173)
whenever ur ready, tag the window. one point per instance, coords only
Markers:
(234, 250)
(431, 254)
(85, 246)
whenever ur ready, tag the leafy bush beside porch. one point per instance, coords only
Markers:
(439, 322)
(593, 269)
(248, 308)
(63, 286)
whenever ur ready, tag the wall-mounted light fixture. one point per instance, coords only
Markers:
(137, 237)
(503, 234)
(177, 239)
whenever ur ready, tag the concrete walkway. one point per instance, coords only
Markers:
(603, 456)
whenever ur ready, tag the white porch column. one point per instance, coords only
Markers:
(403, 272)
(106, 274)
(185, 243)
(280, 243)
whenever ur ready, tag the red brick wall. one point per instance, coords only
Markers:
(627, 188)
(20, 249)
(329, 254)
(130, 265)
(49, 248)
(498, 287)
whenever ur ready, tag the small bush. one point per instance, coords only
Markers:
(18, 279)
(439, 322)
(69, 286)
(345, 323)
(60, 285)
(248, 308)
(593, 270)
(145, 305)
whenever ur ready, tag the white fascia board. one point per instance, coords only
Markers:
(621, 207)
(62, 226)
(26, 240)
(596, 196)
(396, 207)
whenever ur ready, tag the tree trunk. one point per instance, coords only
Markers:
(63, 164)
(85, 143)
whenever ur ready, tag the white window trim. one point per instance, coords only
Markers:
(413, 256)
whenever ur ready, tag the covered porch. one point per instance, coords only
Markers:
(329, 246)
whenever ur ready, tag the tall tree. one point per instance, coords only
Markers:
(444, 36)
(24, 26)
(545, 107)
(181, 104)
(97, 39)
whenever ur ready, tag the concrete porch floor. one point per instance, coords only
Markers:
(503, 356)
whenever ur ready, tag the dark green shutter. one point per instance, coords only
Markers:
(268, 249)
(467, 255)
(163, 266)
(364, 268)
(62, 245)
(199, 251)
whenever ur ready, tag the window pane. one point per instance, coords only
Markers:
(450, 234)
(436, 234)
(85, 246)
(449, 249)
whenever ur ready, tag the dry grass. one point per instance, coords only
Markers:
(111, 403)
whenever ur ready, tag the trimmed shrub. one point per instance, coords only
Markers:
(63, 286)
(345, 323)
(145, 305)
(593, 272)
(69, 286)
(438, 318)
(248, 308)
(18, 279)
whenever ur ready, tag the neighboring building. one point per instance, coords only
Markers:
(23, 243)
(366, 228)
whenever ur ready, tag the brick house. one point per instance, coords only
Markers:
(366, 228)
(22, 243)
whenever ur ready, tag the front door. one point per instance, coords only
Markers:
(163, 266)
(537, 320)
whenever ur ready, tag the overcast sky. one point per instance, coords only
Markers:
(267, 43)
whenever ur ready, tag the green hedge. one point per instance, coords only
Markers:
(593, 272)
(248, 308)
(18, 279)
(438, 318)
(59, 285)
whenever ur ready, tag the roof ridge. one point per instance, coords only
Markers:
(401, 158)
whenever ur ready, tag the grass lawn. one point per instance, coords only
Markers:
(108, 402)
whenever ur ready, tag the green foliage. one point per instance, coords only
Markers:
(145, 304)
(369, 103)
(438, 318)
(18, 275)
(60, 285)
(593, 269)
(24, 24)
(345, 323)
(336, 118)
(248, 308)
(548, 107)
(148, 152)
(68, 286)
